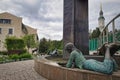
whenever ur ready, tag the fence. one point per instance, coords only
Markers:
(96, 42)
(107, 35)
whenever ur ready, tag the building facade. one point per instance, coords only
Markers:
(11, 25)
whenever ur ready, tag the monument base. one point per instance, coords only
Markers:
(52, 71)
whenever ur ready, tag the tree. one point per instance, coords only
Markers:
(30, 41)
(56, 45)
(46, 46)
(95, 33)
(43, 46)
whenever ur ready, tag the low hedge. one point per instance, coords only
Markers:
(25, 55)
(14, 57)
(3, 52)
(1, 59)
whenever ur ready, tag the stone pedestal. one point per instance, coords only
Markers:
(51, 71)
(75, 28)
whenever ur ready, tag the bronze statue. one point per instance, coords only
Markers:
(78, 60)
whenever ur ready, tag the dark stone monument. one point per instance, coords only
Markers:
(75, 28)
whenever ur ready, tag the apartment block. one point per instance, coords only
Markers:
(11, 25)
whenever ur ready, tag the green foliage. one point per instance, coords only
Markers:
(1, 59)
(43, 46)
(14, 57)
(95, 33)
(60, 52)
(24, 51)
(21, 56)
(46, 46)
(30, 41)
(13, 43)
(117, 35)
(3, 52)
(56, 45)
(25, 55)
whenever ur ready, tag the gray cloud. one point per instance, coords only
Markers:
(44, 15)
(47, 15)
(110, 8)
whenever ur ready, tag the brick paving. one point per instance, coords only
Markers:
(21, 70)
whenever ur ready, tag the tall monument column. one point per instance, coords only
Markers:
(75, 28)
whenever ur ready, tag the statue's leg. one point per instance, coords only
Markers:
(103, 67)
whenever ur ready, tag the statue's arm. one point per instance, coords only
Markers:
(70, 61)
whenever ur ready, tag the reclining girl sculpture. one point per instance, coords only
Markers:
(107, 66)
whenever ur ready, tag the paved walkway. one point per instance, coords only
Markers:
(22, 70)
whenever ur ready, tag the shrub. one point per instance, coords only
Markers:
(3, 52)
(25, 55)
(14, 57)
(24, 51)
(1, 59)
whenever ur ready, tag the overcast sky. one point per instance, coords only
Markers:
(110, 8)
(47, 15)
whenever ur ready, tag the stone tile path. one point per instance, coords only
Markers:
(21, 70)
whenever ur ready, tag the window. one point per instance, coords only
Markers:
(5, 21)
(0, 30)
(10, 31)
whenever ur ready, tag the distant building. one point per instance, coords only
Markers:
(11, 25)
(101, 20)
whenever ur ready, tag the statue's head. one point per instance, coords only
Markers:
(69, 47)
